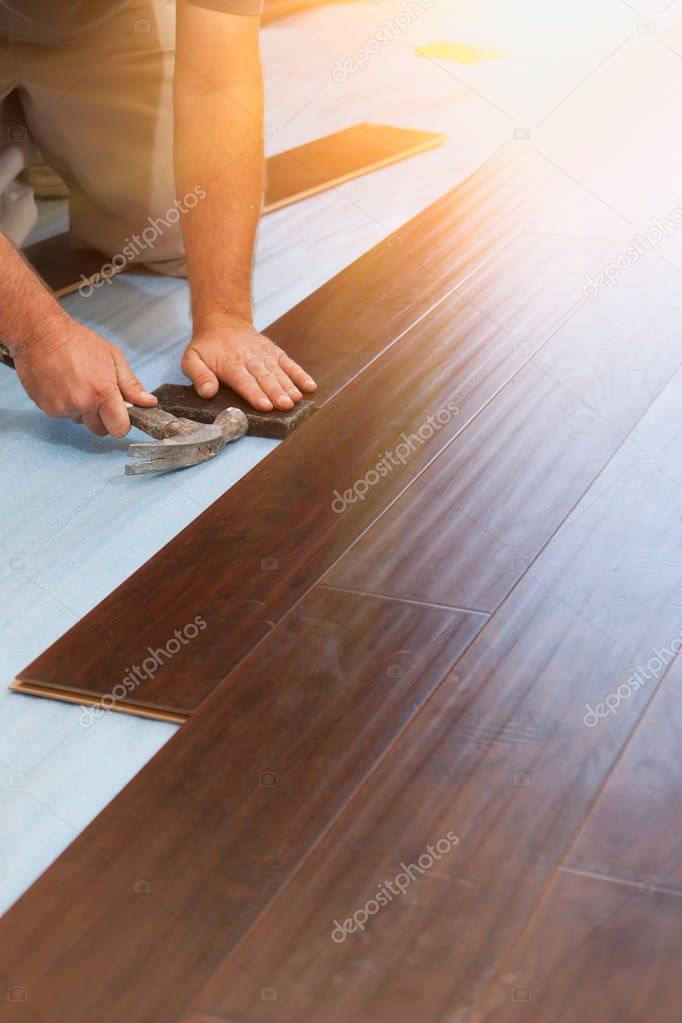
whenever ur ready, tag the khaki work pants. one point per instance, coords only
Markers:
(100, 111)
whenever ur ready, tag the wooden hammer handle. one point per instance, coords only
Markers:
(155, 422)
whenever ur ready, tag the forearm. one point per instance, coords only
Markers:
(219, 153)
(29, 314)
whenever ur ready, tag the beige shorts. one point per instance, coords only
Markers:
(100, 111)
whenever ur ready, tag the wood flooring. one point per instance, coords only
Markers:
(431, 763)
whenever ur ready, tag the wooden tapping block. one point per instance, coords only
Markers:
(293, 175)
(183, 401)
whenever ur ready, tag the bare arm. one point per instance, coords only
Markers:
(68, 370)
(218, 109)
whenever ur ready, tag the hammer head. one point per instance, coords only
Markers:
(192, 443)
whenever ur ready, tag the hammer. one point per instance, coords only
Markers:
(180, 442)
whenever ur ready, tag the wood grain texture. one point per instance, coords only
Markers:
(469, 527)
(291, 176)
(501, 754)
(357, 731)
(593, 950)
(259, 778)
(277, 530)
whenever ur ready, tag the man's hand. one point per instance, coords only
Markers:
(71, 372)
(232, 352)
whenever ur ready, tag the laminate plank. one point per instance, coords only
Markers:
(291, 176)
(502, 756)
(274, 547)
(632, 832)
(596, 951)
(468, 528)
(330, 161)
(196, 846)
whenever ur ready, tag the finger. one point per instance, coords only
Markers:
(244, 383)
(287, 386)
(128, 384)
(93, 423)
(114, 414)
(269, 383)
(298, 375)
(205, 381)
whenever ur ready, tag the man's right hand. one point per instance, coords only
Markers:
(71, 372)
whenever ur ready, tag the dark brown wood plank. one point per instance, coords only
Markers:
(277, 530)
(633, 831)
(502, 756)
(468, 528)
(593, 951)
(154, 894)
(334, 159)
(291, 176)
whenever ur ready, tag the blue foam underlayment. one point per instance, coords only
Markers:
(73, 526)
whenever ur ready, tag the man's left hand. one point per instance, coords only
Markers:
(232, 352)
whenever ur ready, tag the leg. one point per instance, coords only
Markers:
(100, 109)
(18, 212)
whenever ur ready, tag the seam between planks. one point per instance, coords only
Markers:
(404, 600)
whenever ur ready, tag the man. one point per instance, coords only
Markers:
(137, 103)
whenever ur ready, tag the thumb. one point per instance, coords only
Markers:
(128, 384)
(205, 381)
